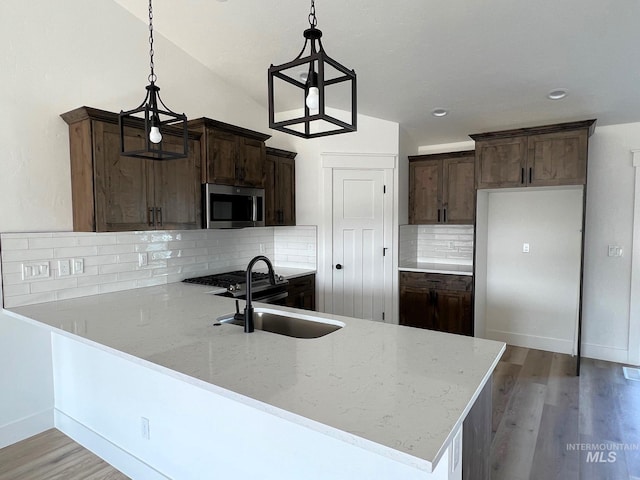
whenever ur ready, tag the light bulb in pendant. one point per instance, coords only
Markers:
(313, 98)
(154, 135)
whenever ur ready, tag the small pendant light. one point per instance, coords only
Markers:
(319, 73)
(156, 118)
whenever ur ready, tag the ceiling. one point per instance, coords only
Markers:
(490, 63)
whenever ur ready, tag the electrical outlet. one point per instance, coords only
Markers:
(143, 259)
(262, 248)
(35, 270)
(525, 248)
(77, 265)
(63, 268)
(144, 428)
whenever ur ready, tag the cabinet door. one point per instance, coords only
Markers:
(302, 293)
(270, 191)
(286, 190)
(425, 192)
(458, 190)
(222, 153)
(558, 159)
(123, 185)
(177, 188)
(501, 162)
(454, 312)
(251, 155)
(417, 308)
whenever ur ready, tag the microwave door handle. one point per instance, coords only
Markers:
(254, 205)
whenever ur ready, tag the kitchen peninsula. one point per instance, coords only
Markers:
(371, 400)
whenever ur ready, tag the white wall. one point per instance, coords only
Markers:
(26, 380)
(610, 199)
(57, 57)
(532, 298)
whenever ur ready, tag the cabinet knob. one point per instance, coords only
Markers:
(338, 267)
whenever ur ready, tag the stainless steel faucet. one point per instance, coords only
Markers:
(248, 309)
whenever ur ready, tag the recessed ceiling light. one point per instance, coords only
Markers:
(439, 112)
(557, 94)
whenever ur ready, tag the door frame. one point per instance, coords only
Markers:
(359, 161)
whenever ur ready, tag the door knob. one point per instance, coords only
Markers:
(338, 267)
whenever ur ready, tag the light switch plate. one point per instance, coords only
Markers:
(525, 248)
(35, 270)
(615, 251)
(77, 266)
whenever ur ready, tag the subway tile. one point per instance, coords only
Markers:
(150, 282)
(52, 285)
(52, 242)
(12, 278)
(17, 289)
(14, 243)
(97, 239)
(151, 247)
(117, 268)
(97, 279)
(67, 252)
(115, 249)
(117, 286)
(77, 292)
(27, 255)
(137, 275)
(100, 260)
(30, 299)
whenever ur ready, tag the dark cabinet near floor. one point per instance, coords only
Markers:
(441, 188)
(111, 192)
(545, 156)
(301, 293)
(280, 187)
(437, 302)
(231, 155)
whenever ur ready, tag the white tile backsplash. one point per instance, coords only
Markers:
(436, 244)
(111, 260)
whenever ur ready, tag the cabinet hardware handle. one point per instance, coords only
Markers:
(530, 173)
(438, 215)
(522, 176)
(159, 210)
(444, 215)
(152, 216)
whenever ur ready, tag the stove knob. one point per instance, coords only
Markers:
(231, 288)
(280, 278)
(238, 286)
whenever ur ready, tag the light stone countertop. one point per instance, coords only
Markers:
(446, 268)
(398, 391)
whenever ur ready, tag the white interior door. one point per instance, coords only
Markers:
(358, 243)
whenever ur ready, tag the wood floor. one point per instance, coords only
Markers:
(549, 424)
(545, 420)
(52, 455)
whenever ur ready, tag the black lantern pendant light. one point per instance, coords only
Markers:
(158, 121)
(320, 76)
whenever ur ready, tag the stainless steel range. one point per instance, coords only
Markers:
(235, 285)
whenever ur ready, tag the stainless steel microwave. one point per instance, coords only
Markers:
(233, 207)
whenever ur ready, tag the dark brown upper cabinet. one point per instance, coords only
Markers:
(441, 188)
(542, 156)
(231, 155)
(111, 192)
(280, 187)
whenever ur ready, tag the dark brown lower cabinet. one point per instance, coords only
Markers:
(437, 301)
(301, 293)
(476, 438)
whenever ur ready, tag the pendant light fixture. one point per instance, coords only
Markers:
(314, 77)
(157, 120)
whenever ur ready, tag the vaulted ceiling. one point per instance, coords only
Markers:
(489, 63)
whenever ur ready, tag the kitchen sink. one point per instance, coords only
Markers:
(285, 323)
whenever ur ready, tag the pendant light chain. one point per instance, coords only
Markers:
(313, 21)
(152, 75)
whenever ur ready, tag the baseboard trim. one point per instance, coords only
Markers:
(531, 341)
(601, 352)
(115, 456)
(26, 427)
